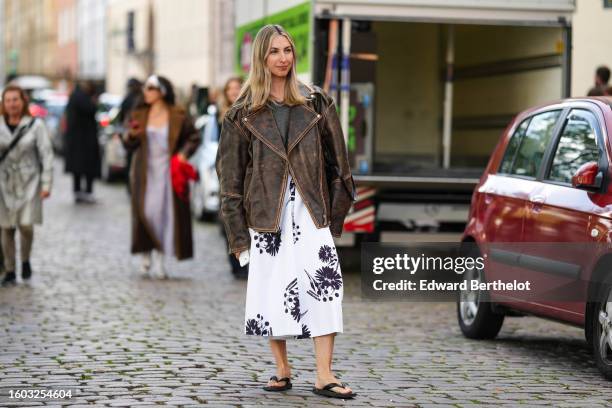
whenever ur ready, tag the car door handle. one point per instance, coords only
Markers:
(488, 196)
(536, 203)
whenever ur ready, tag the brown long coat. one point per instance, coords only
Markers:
(183, 138)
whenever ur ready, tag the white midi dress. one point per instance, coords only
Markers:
(295, 283)
(158, 195)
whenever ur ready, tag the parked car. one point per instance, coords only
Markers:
(114, 155)
(547, 192)
(31, 83)
(50, 105)
(205, 191)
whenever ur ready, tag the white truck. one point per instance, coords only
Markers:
(424, 89)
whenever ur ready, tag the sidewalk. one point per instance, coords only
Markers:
(90, 324)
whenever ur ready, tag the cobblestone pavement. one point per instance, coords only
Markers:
(87, 322)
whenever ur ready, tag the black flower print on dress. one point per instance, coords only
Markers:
(327, 282)
(305, 333)
(292, 301)
(315, 290)
(296, 232)
(268, 241)
(258, 326)
(295, 227)
(291, 190)
(328, 277)
(327, 255)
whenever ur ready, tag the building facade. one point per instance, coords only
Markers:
(91, 21)
(66, 63)
(28, 36)
(591, 32)
(190, 42)
(129, 42)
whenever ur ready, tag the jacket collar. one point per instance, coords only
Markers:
(175, 121)
(263, 126)
(25, 120)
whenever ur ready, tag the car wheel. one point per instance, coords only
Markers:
(602, 330)
(474, 313)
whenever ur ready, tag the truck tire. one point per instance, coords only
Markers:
(601, 321)
(476, 317)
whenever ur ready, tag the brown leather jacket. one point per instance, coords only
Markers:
(253, 164)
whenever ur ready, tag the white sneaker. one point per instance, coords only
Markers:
(79, 197)
(89, 198)
(160, 266)
(145, 266)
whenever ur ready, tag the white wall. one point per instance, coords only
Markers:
(2, 58)
(592, 40)
(91, 16)
(182, 50)
(221, 33)
(119, 65)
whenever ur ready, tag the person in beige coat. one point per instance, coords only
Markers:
(26, 172)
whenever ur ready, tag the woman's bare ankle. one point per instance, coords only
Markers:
(283, 371)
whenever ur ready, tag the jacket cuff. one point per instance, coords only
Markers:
(238, 249)
(335, 231)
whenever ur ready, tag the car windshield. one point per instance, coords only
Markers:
(56, 109)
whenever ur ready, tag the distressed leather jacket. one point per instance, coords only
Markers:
(253, 165)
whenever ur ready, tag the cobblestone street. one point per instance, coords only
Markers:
(89, 323)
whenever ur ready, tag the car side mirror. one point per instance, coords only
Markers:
(587, 177)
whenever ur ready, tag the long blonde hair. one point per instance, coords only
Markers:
(256, 90)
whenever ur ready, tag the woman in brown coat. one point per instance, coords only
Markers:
(161, 219)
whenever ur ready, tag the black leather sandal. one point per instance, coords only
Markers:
(276, 388)
(327, 391)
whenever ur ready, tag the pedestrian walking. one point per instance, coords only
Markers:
(82, 153)
(162, 137)
(602, 76)
(286, 187)
(26, 172)
(132, 100)
(230, 93)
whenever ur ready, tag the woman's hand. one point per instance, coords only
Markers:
(134, 128)
(45, 194)
(182, 158)
(237, 255)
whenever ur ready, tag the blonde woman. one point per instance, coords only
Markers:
(231, 91)
(286, 187)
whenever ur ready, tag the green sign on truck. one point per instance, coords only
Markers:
(295, 20)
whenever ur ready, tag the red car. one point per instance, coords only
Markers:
(542, 213)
